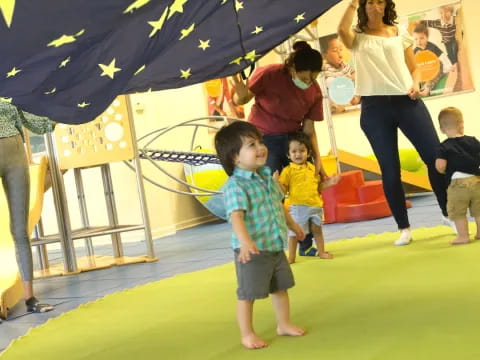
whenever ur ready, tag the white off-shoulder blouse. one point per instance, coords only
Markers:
(380, 67)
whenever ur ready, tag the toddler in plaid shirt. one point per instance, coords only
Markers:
(253, 202)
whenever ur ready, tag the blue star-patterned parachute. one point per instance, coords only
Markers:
(68, 60)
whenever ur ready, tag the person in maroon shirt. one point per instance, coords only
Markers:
(287, 100)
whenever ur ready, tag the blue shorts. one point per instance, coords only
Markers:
(303, 215)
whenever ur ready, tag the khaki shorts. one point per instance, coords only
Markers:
(463, 194)
(265, 273)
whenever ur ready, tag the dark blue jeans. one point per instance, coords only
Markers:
(380, 119)
(277, 146)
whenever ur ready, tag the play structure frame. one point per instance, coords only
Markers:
(66, 235)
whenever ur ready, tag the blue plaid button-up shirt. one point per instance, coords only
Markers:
(260, 197)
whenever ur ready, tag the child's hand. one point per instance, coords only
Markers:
(299, 233)
(276, 175)
(246, 250)
(334, 180)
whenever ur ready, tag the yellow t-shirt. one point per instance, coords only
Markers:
(301, 183)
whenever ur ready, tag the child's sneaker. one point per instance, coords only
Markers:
(309, 252)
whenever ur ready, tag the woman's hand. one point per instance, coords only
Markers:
(241, 92)
(414, 92)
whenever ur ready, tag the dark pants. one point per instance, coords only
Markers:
(277, 146)
(380, 118)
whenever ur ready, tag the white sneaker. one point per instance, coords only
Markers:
(451, 223)
(405, 238)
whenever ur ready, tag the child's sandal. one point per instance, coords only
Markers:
(34, 306)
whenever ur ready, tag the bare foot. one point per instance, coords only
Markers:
(290, 330)
(291, 261)
(477, 237)
(460, 241)
(252, 341)
(325, 255)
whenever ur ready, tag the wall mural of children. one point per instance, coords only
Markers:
(445, 78)
(438, 32)
(339, 74)
(219, 99)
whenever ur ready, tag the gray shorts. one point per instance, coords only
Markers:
(303, 215)
(265, 273)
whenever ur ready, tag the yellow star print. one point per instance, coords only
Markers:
(13, 72)
(110, 69)
(177, 6)
(258, 30)
(50, 92)
(7, 7)
(64, 62)
(204, 44)
(185, 73)
(83, 105)
(157, 25)
(136, 5)
(223, 2)
(299, 17)
(4, 99)
(186, 32)
(65, 39)
(140, 69)
(236, 61)
(238, 5)
(251, 56)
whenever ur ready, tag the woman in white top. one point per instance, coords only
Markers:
(388, 82)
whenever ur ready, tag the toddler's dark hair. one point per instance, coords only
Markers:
(302, 138)
(228, 142)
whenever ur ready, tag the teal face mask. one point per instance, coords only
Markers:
(300, 84)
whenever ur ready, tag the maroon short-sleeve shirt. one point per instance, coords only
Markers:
(280, 106)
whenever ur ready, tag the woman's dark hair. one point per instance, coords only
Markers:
(301, 138)
(304, 58)
(228, 142)
(388, 18)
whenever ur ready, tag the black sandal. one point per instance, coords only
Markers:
(34, 306)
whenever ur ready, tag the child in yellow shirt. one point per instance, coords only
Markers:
(303, 187)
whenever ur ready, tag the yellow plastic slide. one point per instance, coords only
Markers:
(11, 289)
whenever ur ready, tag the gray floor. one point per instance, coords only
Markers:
(189, 250)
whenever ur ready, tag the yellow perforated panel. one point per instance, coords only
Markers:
(106, 139)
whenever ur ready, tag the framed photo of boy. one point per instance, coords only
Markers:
(439, 49)
(339, 74)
